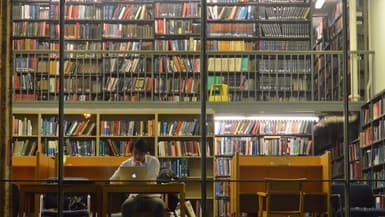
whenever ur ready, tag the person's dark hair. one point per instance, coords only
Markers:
(139, 145)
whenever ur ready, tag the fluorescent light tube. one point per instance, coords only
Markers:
(319, 4)
(306, 118)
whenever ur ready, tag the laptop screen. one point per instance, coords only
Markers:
(136, 173)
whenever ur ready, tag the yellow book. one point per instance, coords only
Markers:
(189, 209)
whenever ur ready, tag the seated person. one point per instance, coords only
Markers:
(135, 204)
(139, 157)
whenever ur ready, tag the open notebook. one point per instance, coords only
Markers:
(134, 173)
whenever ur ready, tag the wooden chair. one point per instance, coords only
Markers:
(282, 197)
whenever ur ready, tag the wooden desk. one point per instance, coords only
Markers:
(28, 190)
(249, 172)
(107, 189)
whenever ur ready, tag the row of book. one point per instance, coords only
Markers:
(126, 12)
(263, 127)
(177, 9)
(292, 66)
(96, 32)
(80, 12)
(224, 207)
(232, 29)
(129, 84)
(30, 44)
(373, 157)
(355, 170)
(228, 64)
(378, 109)
(79, 147)
(91, 85)
(128, 46)
(176, 27)
(30, 11)
(222, 167)
(230, 45)
(180, 149)
(277, 145)
(376, 180)
(26, 147)
(127, 65)
(71, 147)
(180, 167)
(164, 45)
(287, 84)
(78, 31)
(366, 137)
(50, 126)
(355, 151)
(284, 12)
(231, 12)
(167, 64)
(179, 128)
(127, 31)
(152, 85)
(28, 29)
(109, 147)
(286, 30)
(238, 84)
(127, 127)
(191, 44)
(283, 45)
(71, 85)
(22, 126)
(24, 82)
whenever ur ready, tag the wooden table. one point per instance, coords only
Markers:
(107, 189)
(28, 190)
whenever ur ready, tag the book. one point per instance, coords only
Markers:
(189, 209)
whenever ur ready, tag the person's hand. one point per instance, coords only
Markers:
(138, 163)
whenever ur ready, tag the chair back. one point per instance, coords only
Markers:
(284, 185)
(361, 195)
(285, 195)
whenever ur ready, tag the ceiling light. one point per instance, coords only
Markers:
(319, 4)
(287, 118)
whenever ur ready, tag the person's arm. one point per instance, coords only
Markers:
(115, 176)
(153, 169)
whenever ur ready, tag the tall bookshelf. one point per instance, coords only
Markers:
(328, 80)
(151, 50)
(177, 61)
(97, 137)
(284, 26)
(267, 26)
(252, 137)
(179, 148)
(372, 142)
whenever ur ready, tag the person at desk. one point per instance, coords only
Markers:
(138, 204)
(140, 157)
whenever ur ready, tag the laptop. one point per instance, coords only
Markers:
(133, 173)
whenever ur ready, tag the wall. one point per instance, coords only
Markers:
(376, 42)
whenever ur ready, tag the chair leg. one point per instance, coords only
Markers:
(89, 205)
(41, 204)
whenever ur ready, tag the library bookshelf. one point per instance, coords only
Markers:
(149, 50)
(371, 143)
(96, 143)
(253, 137)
